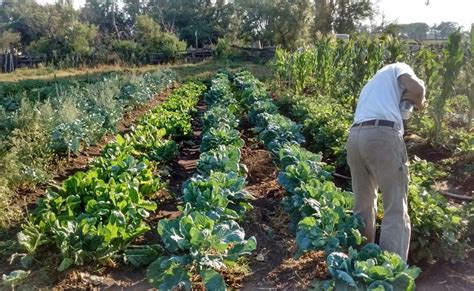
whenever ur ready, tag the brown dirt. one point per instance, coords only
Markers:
(272, 265)
(185, 164)
(446, 276)
(459, 168)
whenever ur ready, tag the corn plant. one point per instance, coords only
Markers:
(453, 55)
(470, 78)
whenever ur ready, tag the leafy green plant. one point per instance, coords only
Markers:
(219, 116)
(371, 267)
(219, 195)
(50, 122)
(222, 159)
(329, 229)
(98, 213)
(197, 244)
(220, 92)
(215, 137)
(14, 278)
(275, 131)
(452, 66)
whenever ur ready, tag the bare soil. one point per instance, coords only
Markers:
(446, 276)
(460, 179)
(273, 266)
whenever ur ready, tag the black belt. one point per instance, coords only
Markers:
(377, 122)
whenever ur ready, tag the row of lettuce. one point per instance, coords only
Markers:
(35, 131)
(206, 240)
(320, 212)
(95, 215)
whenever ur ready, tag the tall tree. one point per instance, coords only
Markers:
(347, 14)
(106, 15)
(275, 22)
(444, 29)
(323, 16)
(204, 20)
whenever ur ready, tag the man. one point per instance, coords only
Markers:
(377, 155)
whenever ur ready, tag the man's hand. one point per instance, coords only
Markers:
(414, 90)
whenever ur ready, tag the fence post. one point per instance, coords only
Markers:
(1, 62)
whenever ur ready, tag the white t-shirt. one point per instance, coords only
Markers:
(380, 97)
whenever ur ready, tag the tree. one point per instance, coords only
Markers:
(444, 29)
(469, 77)
(133, 8)
(106, 15)
(275, 22)
(8, 40)
(417, 30)
(347, 14)
(323, 16)
(152, 39)
(27, 18)
(206, 19)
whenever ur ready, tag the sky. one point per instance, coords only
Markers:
(407, 11)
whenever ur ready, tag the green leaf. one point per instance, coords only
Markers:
(26, 261)
(346, 278)
(379, 273)
(140, 256)
(167, 274)
(212, 280)
(120, 140)
(15, 277)
(381, 286)
(65, 264)
(403, 281)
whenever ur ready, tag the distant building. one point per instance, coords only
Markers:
(342, 36)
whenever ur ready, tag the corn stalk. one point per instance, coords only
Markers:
(470, 79)
(453, 60)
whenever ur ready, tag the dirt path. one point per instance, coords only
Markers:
(273, 266)
(446, 276)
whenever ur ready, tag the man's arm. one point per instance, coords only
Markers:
(414, 89)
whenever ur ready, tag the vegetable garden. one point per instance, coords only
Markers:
(264, 204)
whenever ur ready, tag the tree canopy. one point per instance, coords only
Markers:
(133, 27)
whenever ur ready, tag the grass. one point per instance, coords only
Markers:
(198, 71)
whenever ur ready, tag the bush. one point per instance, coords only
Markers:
(128, 50)
(223, 48)
(169, 45)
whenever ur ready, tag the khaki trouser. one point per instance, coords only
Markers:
(377, 158)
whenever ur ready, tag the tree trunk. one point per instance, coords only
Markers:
(114, 23)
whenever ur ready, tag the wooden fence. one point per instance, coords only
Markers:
(10, 62)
